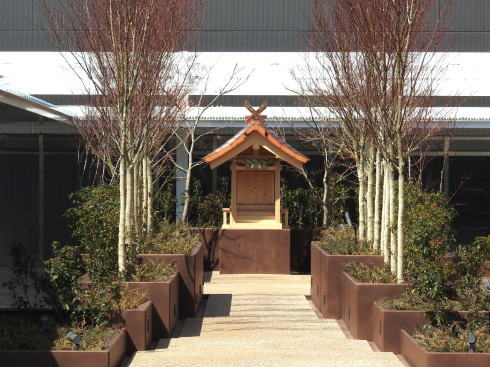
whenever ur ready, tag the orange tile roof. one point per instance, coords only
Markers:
(244, 134)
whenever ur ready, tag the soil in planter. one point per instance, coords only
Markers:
(21, 331)
(452, 338)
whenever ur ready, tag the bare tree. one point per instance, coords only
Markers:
(320, 135)
(126, 55)
(188, 134)
(376, 73)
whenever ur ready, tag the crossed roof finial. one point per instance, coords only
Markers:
(256, 113)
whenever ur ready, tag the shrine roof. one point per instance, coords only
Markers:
(266, 138)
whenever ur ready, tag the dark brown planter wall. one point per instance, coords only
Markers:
(357, 303)
(254, 251)
(138, 323)
(111, 357)
(210, 240)
(419, 357)
(387, 324)
(299, 249)
(328, 276)
(165, 299)
(316, 276)
(191, 277)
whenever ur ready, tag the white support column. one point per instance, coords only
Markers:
(182, 160)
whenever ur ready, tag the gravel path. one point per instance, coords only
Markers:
(260, 320)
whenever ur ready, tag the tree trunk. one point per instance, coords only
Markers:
(129, 208)
(361, 206)
(136, 202)
(187, 190)
(369, 196)
(377, 199)
(121, 245)
(386, 210)
(144, 195)
(325, 190)
(401, 208)
(149, 198)
(392, 220)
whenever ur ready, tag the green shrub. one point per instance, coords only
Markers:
(301, 215)
(428, 235)
(94, 219)
(164, 203)
(371, 273)
(452, 338)
(153, 273)
(171, 239)
(408, 300)
(342, 241)
(62, 277)
(101, 304)
(311, 215)
(27, 332)
(473, 297)
(24, 284)
(93, 338)
(206, 210)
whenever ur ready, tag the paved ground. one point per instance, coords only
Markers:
(260, 320)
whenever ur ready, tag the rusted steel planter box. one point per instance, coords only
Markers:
(326, 274)
(255, 251)
(165, 300)
(357, 303)
(210, 239)
(111, 357)
(191, 277)
(418, 357)
(316, 276)
(138, 324)
(387, 324)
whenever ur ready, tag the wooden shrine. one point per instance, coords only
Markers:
(256, 154)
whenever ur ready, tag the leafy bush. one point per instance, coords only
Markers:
(464, 289)
(93, 338)
(301, 215)
(468, 284)
(410, 300)
(101, 304)
(61, 278)
(407, 300)
(452, 338)
(24, 284)
(164, 202)
(94, 219)
(153, 273)
(311, 215)
(27, 332)
(428, 233)
(206, 210)
(171, 239)
(342, 241)
(370, 273)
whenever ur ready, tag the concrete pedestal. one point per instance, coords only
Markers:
(255, 251)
